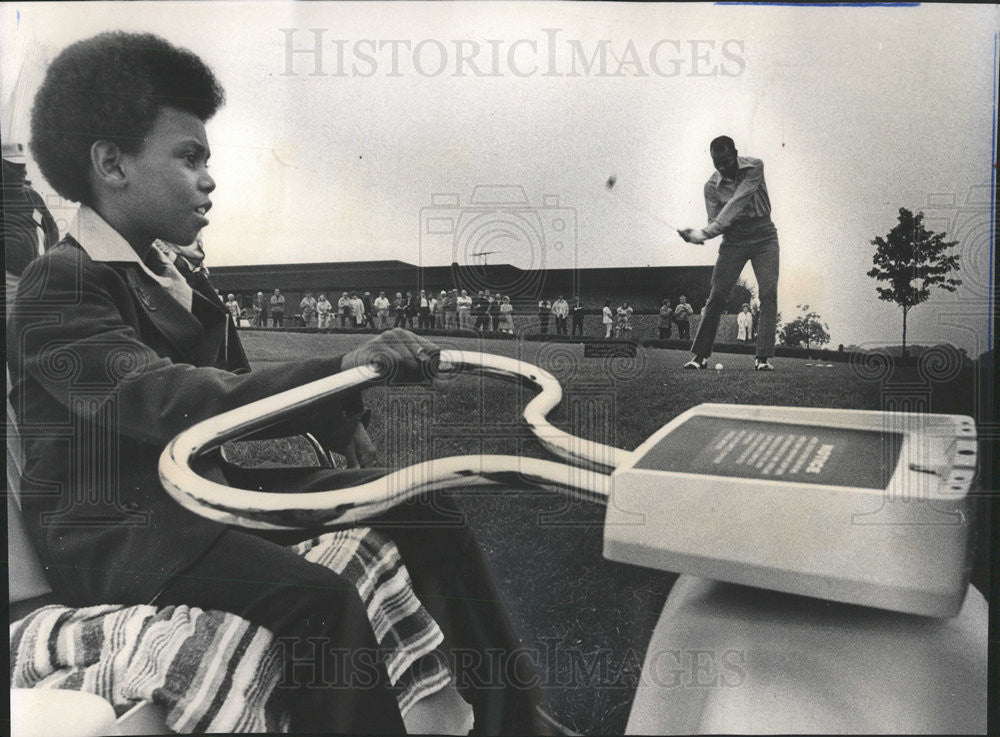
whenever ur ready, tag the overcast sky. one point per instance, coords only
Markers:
(373, 150)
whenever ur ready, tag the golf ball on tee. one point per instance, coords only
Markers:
(718, 367)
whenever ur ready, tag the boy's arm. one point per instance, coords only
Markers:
(68, 336)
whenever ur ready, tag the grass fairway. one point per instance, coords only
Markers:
(585, 621)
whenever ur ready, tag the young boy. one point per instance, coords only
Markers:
(114, 348)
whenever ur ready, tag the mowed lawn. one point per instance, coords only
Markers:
(585, 621)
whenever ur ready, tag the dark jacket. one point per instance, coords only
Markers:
(107, 367)
(22, 215)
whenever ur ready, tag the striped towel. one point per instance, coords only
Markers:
(405, 632)
(211, 670)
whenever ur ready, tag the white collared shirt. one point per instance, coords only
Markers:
(105, 244)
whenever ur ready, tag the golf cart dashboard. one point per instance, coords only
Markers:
(864, 507)
(779, 451)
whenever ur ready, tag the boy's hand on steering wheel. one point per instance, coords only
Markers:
(399, 355)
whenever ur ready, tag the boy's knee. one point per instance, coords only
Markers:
(322, 609)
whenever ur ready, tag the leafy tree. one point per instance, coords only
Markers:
(805, 330)
(913, 260)
(743, 293)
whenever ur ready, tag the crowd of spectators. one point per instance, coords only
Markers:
(456, 309)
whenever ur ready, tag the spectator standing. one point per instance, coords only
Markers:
(423, 310)
(259, 311)
(560, 308)
(366, 300)
(744, 324)
(464, 304)
(480, 306)
(666, 320)
(682, 316)
(234, 309)
(755, 324)
(381, 305)
(450, 310)
(357, 311)
(412, 309)
(399, 310)
(278, 309)
(437, 310)
(507, 316)
(308, 309)
(494, 312)
(577, 314)
(344, 309)
(323, 310)
(624, 322)
(544, 311)
(607, 319)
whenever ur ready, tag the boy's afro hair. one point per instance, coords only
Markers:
(110, 87)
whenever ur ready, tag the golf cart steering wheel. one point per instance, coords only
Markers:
(587, 476)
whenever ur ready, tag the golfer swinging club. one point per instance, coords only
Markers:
(740, 210)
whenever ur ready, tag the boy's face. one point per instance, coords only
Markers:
(167, 180)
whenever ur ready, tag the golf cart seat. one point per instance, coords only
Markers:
(726, 658)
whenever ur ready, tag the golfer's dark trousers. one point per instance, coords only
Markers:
(333, 680)
(759, 246)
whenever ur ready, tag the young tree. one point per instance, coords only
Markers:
(913, 260)
(806, 329)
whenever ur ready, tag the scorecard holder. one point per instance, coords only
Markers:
(861, 507)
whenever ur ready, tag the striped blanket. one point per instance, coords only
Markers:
(211, 670)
